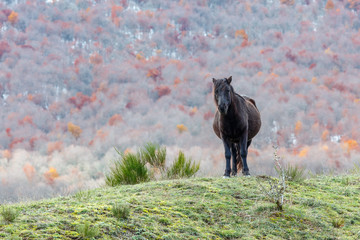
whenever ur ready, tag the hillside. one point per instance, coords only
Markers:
(323, 207)
(80, 77)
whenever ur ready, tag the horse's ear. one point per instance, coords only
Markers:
(229, 79)
(214, 80)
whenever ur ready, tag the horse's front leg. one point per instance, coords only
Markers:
(227, 157)
(244, 152)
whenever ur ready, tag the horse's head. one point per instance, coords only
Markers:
(222, 94)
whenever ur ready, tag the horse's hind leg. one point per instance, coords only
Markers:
(234, 154)
(248, 144)
(227, 157)
(244, 144)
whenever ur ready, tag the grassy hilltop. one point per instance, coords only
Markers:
(323, 207)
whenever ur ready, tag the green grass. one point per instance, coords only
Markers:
(155, 155)
(8, 214)
(293, 173)
(86, 231)
(182, 167)
(121, 211)
(322, 207)
(129, 169)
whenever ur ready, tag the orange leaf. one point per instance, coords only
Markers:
(54, 146)
(325, 135)
(96, 59)
(6, 153)
(139, 56)
(13, 17)
(29, 171)
(177, 81)
(74, 130)
(288, 2)
(154, 73)
(51, 175)
(80, 99)
(115, 10)
(27, 119)
(241, 33)
(115, 119)
(349, 145)
(193, 111)
(101, 134)
(298, 127)
(181, 128)
(163, 90)
(304, 152)
(329, 5)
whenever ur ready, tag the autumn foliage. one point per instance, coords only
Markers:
(74, 130)
(115, 119)
(29, 171)
(50, 175)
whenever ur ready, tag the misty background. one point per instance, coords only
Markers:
(78, 78)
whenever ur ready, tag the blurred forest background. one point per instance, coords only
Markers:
(78, 78)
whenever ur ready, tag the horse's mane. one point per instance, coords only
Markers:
(246, 98)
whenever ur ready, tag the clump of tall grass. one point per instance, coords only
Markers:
(337, 222)
(120, 211)
(292, 173)
(87, 232)
(128, 169)
(131, 168)
(155, 155)
(182, 167)
(9, 214)
(82, 194)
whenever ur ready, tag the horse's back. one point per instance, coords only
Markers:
(250, 100)
(254, 119)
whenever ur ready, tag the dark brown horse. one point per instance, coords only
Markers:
(237, 121)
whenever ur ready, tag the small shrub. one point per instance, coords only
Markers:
(86, 231)
(14, 238)
(9, 214)
(337, 222)
(129, 169)
(345, 181)
(165, 221)
(356, 169)
(82, 194)
(182, 167)
(154, 155)
(292, 173)
(277, 186)
(121, 211)
(311, 202)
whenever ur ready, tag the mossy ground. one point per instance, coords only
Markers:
(323, 207)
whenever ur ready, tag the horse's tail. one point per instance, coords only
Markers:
(239, 164)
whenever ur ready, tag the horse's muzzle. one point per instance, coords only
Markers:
(223, 109)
